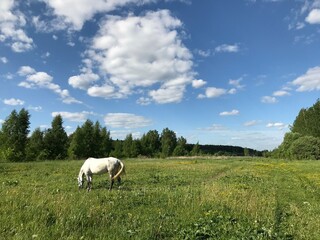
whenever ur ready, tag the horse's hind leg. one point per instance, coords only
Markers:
(89, 183)
(112, 182)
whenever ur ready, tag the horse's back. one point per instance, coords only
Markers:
(101, 165)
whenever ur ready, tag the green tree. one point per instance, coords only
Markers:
(56, 140)
(117, 149)
(35, 146)
(76, 147)
(168, 142)
(195, 150)
(308, 121)
(14, 136)
(181, 148)
(130, 147)
(306, 147)
(106, 142)
(150, 143)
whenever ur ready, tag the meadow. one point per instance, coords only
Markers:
(233, 198)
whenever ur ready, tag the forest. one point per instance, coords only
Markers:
(303, 140)
(90, 139)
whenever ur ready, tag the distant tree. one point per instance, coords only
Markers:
(181, 148)
(35, 146)
(306, 147)
(283, 150)
(106, 142)
(117, 149)
(246, 152)
(301, 142)
(308, 121)
(127, 146)
(131, 147)
(150, 143)
(14, 135)
(76, 148)
(56, 140)
(195, 150)
(168, 142)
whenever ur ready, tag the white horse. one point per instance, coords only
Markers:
(99, 166)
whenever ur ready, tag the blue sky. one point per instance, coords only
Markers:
(229, 72)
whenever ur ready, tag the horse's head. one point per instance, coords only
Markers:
(80, 182)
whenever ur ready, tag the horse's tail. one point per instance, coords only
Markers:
(121, 171)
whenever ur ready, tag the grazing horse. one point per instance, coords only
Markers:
(99, 166)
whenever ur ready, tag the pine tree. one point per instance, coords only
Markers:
(14, 136)
(35, 147)
(56, 140)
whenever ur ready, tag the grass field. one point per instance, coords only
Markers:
(234, 198)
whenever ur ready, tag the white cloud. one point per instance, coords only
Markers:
(231, 113)
(198, 83)
(251, 123)
(313, 17)
(309, 81)
(13, 102)
(4, 60)
(11, 27)
(215, 127)
(269, 99)
(74, 13)
(280, 93)
(26, 70)
(278, 125)
(126, 120)
(73, 116)
(236, 83)
(137, 52)
(84, 80)
(203, 53)
(36, 80)
(228, 48)
(212, 92)
(36, 109)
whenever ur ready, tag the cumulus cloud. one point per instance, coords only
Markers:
(251, 123)
(231, 113)
(198, 83)
(138, 52)
(3, 60)
(278, 125)
(313, 17)
(12, 23)
(126, 120)
(212, 92)
(269, 99)
(281, 93)
(13, 102)
(36, 80)
(74, 13)
(233, 48)
(73, 116)
(309, 81)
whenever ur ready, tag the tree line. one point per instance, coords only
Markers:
(303, 140)
(93, 140)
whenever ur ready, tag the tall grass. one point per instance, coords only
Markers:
(163, 199)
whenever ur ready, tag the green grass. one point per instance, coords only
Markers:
(235, 198)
